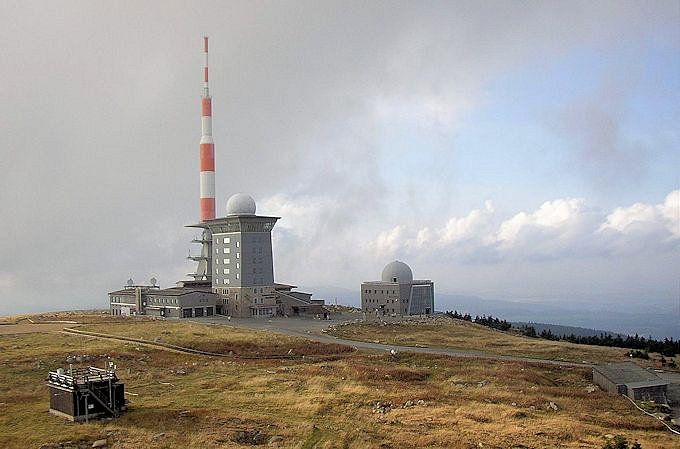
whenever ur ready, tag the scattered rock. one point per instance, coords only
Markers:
(382, 407)
(99, 443)
(276, 440)
(408, 404)
(180, 372)
(590, 388)
(420, 402)
(482, 383)
(160, 435)
(252, 437)
(553, 406)
(609, 436)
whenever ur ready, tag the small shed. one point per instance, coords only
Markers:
(630, 380)
(85, 393)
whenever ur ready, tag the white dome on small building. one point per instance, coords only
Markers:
(240, 204)
(398, 272)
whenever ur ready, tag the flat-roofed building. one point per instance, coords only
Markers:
(630, 380)
(188, 299)
(397, 293)
(293, 303)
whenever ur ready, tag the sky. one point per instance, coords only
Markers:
(518, 151)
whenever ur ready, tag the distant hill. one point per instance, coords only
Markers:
(652, 318)
(559, 330)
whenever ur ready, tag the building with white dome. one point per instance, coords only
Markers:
(397, 293)
(235, 270)
(236, 261)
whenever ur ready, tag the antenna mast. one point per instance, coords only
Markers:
(207, 148)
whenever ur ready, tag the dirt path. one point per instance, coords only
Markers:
(311, 330)
(180, 349)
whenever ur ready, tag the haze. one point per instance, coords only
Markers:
(523, 151)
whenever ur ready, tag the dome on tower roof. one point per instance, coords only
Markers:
(397, 272)
(240, 204)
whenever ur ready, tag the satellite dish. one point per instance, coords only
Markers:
(130, 282)
(153, 281)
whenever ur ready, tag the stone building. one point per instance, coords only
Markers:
(237, 261)
(397, 293)
(188, 299)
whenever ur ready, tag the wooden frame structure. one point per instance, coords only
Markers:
(85, 393)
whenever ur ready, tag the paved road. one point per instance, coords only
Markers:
(311, 329)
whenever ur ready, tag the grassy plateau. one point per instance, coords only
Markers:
(326, 400)
(447, 332)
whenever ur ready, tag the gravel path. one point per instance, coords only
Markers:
(312, 330)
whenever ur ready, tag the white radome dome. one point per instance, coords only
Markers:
(399, 271)
(240, 204)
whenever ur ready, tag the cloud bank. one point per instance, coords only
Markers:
(100, 126)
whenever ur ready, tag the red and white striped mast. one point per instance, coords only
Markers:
(207, 148)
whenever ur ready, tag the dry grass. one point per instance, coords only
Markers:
(327, 404)
(218, 339)
(458, 334)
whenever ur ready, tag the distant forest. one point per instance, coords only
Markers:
(667, 347)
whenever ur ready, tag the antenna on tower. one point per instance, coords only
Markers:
(207, 148)
(206, 90)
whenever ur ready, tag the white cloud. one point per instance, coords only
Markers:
(565, 227)
(470, 226)
(643, 218)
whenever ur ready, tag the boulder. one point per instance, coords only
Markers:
(276, 440)
(99, 443)
(382, 407)
(253, 437)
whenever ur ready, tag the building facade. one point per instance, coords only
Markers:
(238, 250)
(397, 293)
(187, 300)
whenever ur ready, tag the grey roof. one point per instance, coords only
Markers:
(649, 383)
(125, 291)
(242, 218)
(627, 373)
(413, 282)
(177, 291)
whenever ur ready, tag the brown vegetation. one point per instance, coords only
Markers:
(217, 339)
(186, 401)
(457, 334)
